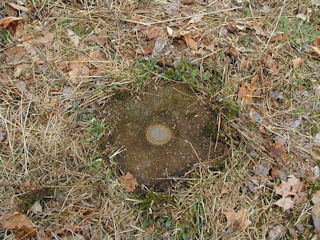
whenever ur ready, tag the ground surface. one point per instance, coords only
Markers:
(253, 63)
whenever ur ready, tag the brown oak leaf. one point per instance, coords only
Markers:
(10, 23)
(238, 221)
(289, 188)
(20, 224)
(129, 182)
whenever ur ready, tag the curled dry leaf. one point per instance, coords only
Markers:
(238, 221)
(10, 23)
(36, 208)
(297, 62)
(277, 150)
(129, 182)
(316, 50)
(279, 39)
(20, 224)
(191, 43)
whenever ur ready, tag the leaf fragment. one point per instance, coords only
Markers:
(238, 221)
(129, 182)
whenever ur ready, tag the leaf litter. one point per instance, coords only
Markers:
(196, 37)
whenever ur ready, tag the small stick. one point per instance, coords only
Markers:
(180, 18)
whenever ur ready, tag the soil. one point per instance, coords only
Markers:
(192, 127)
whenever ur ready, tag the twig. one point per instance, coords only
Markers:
(180, 18)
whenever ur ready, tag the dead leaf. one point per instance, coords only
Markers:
(279, 39)
(245, 93)
(255, 117)
(74, 38)
(285, 203)
(188, 2)
(277, 232)
(316, 50)
(21, 86)
(301, 16)
(316, 43)
(271, 65)
(160, 43)
(20, 224)
(10, 11)
(197, 18)
(277, 150)
(238, 221)
(36, 208)
(274, 173)
(289, 188)
(19, 7)
(191, 43)
(257, 28)
(11, 23)
(232, 28)
(316, 198)
(293, 233)
(47, 38)
(79, 72)
(129, 182)
(173, 8)
(315, 212)
(297, 62)
(2, 136)
(20, 69)
(262, 170)
(170, 31)
(152, 32)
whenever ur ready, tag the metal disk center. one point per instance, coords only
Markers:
(158, 134)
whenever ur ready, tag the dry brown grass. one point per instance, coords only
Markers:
(49, 153)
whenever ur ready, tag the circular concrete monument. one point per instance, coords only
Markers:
(158, 134)
(164, 131)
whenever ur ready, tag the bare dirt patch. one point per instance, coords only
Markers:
(188, 136)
